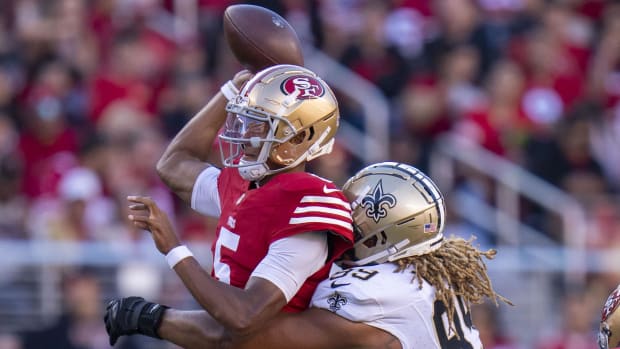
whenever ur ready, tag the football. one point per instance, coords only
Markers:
(259, 37)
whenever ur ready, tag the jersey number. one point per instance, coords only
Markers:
(357, 273)
(447, 338)
(229, 240)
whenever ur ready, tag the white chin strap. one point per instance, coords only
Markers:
(419, 249)
(254, 172)
(383, 255)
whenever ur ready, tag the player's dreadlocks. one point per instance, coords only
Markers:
(455, 269)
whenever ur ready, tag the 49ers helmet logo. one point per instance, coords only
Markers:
(307, 86)
(611, 304)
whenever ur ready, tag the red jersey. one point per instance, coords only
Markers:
(289, 204)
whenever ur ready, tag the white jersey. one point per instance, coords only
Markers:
(393, 302)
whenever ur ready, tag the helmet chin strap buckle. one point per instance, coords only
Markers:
(254, 172)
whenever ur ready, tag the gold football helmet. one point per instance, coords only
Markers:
(609, 330)
(397, 212)
(283, 116)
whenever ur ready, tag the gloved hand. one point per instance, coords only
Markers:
(131, 315)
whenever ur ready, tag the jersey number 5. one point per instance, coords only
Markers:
(229, 240)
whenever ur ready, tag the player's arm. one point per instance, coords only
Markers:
(274, 282)
(191, 329)
(276, 279)
(312, 329)
(186, 328)
(240, 311)
(187, 154)
(315, 329)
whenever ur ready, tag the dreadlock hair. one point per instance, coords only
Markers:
(456, 269)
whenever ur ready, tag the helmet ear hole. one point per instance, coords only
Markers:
(284, 154)
(371, 242)
(299, 138)
(383, 238)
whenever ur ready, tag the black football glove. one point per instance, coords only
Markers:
(131, 315)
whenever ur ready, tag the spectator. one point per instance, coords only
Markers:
(499, 124)
(79, 327)
(13, 204)
(578, 318)
(459, 23)
(9, 341)
(372, 57)
(486, 319)
(46, 144)
(79, 212)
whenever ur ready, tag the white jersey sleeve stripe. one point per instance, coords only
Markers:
(205, 196)
(316, 219)
(322, 209)
(326, 200)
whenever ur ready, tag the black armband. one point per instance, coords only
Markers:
(150, 319)
(132, 315)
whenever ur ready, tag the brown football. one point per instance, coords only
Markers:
(260, 38)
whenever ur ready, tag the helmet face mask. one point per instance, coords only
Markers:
(398, 212)
(282, 117)
(248, 134)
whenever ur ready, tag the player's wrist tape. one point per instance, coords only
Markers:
(178, 254)
(229, 90)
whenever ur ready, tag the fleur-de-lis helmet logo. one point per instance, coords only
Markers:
(377, 203)
(336, 301)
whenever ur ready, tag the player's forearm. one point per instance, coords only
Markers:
(238, 311)
(191, 147)
(194, 329)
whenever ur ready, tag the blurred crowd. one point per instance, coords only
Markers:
(91, 91)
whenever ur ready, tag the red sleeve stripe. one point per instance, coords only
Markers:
(316, 219)
(321, 209)
(326, 200)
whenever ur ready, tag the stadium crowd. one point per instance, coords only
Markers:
(91, 91)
